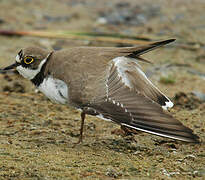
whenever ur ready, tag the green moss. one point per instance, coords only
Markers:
(167, 79)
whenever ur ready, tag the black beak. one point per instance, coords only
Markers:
(13, 66)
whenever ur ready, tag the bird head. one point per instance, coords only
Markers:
(29, 61)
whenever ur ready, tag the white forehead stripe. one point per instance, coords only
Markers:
(18, 58)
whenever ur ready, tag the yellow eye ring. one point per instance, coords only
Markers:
(28, 60)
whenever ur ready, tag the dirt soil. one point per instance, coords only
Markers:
(37, 136)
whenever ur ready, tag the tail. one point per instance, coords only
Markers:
(137, 51)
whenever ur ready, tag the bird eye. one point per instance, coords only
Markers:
(28, 60)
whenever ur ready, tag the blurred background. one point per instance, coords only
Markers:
(36, 136)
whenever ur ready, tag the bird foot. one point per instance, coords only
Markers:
(80, 140)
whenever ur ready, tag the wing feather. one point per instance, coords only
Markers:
(126, 107)
(134, 78)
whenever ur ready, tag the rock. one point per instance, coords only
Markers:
(199, 95)
(17, 87)
(112, 173)
(199, 173)
(56, 18)
(14, 87)
(187, 101)
(2, 21)
(125, 13)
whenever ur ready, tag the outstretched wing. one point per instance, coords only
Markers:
(131, 108)
(133, 77)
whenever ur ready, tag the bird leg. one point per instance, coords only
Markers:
(81, 127)
(85, 111)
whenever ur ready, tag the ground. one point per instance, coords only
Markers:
(37, 136)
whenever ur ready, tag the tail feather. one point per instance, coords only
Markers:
(137, 51)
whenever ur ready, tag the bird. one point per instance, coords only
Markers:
(106, 82)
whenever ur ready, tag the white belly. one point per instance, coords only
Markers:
(55, 89)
